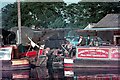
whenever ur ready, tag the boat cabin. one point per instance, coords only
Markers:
(9, 61)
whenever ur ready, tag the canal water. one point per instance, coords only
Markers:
(42, 73)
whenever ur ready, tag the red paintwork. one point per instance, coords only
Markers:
(68, 64)
(115, 53)
(93, 53)
(29, 54)
(40, 51)
(108, 53)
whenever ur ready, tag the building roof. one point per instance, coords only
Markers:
(102, 29)
(89, 26)
(109, 21)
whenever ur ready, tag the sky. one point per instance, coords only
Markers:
(71, 1)
(5, 2)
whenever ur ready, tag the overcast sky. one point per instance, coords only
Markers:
(4, 2)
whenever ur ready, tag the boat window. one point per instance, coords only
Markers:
(4, 50)
(76, 39)
(5, 53)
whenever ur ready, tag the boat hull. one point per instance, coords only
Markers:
(86, 63)
(101, 56)
(17, 64)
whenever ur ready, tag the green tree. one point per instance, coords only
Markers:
(9, 16)
(57, 15)
(83, 13)
(33, 13)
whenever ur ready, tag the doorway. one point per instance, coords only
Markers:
(117, 40)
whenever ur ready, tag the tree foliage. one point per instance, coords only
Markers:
(83, 13)
(57, 15)
(9, 16)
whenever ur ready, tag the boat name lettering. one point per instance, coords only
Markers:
(91, 51)
(115, 51)
(96, 55)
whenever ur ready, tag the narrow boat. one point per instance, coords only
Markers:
(85, 57)
(99, 56)
(8, 60)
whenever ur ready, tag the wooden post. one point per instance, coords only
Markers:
(19, 22)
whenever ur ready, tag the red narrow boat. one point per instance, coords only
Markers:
(99, 56)
(8, 61)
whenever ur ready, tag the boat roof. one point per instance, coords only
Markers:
(102, 29)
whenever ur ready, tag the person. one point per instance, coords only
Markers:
(68, 47)
(49, 64)
(81, 41)
(91, 42)
(46, 51)
(96, 41)
(88, 40)
(41, 50)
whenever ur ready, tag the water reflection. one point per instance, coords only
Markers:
(17, 74)
(42, 73)
(92, 73)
